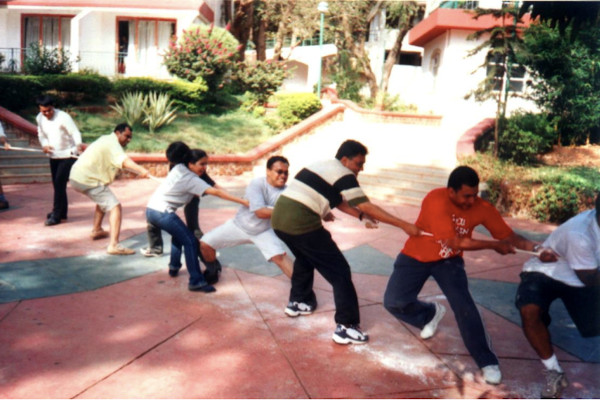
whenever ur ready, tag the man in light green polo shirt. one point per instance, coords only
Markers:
(95, 169)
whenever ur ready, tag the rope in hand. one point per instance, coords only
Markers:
(154, 178)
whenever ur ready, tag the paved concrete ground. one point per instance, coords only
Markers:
(77, 323)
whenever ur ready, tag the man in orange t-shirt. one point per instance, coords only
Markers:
(450, 215)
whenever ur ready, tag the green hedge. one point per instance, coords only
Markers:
(76, 87)
(19, 91)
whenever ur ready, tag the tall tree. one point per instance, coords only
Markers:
(502, 41)
(404, 15)
(577, 14)
(565, 81)
(349, 23)
(241, 24)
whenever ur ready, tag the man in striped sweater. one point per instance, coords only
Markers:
(297, 220)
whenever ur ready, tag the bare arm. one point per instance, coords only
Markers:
(226, 196)
(505, 246)
(142, 172)
(264, 213)
(379, 214)
(589, 277)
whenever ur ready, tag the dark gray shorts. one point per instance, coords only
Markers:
(582, 303)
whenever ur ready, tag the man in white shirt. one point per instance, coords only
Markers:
(252, 224)
(3, 142)
(566, 269)
(61, 140)
(95, 169)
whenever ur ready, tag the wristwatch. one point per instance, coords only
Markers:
(537, 248)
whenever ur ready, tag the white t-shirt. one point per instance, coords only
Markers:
(60, 132)
(177, 189)
(577, 242)
(260, 194)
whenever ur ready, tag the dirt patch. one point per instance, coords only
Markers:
(571, 156)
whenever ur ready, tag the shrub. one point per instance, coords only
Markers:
(347, 77)
(524, 137)
(295, 107)
(260, 79)
(19, 91)
(202, 52)
(78, 86)
(132, 107)
(40, 60)
(556, 202)
(159, 111)
(143, 85)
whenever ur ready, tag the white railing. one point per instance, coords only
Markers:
(105, 63)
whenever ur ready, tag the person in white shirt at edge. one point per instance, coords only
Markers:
(3, 142)
(566, 269)
(97, 168)
(252, 224)
(61, 140)
(179, 187)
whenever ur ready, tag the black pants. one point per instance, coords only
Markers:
(60, 169)
(317, 250)
(190, 210)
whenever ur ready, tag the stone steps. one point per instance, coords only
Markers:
(20, 166)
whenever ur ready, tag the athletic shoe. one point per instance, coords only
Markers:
(555, 383)
(212, 272)
(295, 309)
(349, 334)
(492, 374)
(149, 252)
(173, 272)
(430, 328)
(202, 287)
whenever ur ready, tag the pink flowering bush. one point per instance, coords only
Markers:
(205, 52)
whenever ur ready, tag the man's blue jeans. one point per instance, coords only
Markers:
(181, 236)
(406, 282)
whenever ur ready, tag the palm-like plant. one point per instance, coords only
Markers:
(159, 111)
(132, 107)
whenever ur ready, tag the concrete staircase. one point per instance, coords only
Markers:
(17, 166)
(404, 163)
(404, 184)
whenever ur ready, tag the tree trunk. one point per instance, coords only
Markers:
(283, 29)
(242, 24)
(260, 39)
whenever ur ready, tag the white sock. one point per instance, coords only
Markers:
(552, 363)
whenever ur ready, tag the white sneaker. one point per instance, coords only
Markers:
(350, 334)
(492, 374)
(429, 329)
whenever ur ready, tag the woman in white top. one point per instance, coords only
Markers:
(179, 187)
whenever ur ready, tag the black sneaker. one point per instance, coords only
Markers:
(212, 272)
(202, 287)
(349, 334)
(173, 272)
(52, 221)
(295, 309)
(62, 217)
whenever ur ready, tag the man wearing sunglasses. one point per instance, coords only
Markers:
(252, 224)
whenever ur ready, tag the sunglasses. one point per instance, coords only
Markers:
(281, 172)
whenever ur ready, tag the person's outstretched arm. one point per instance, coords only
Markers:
(226, 196)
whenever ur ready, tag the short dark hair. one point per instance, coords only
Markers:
(197, 154)
(351, 148)
(275, 159)
(44, 100)
(122, 126)
(463, 175)
(178, 153)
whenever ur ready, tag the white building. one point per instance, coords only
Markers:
(108, 36)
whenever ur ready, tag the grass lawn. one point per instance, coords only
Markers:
(231, 132)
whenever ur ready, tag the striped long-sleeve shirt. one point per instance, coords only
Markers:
(313, 192)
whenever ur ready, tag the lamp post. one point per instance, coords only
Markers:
(322, 7)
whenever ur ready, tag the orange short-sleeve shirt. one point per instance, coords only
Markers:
(440, 217)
